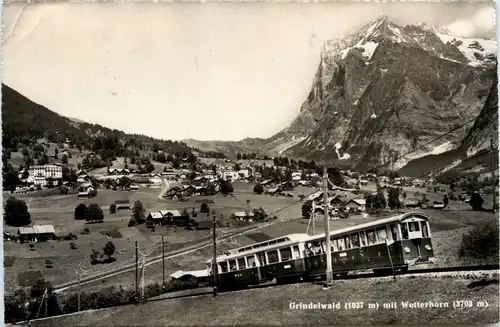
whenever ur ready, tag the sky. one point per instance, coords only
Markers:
(207, 71)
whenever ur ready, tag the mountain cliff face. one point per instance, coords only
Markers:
(386, 91)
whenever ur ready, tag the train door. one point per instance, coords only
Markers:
(263, 273)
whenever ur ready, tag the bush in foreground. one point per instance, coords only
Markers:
(482, 241)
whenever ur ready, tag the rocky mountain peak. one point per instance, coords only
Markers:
(385, 90)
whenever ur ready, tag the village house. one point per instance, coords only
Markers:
(303, 183)
(412, 203)
(36, 233)
(244, 173)
(155, 217)
(156, 180)
(118, 171)
(286, 186)
(356, 205)
(122, 205)
(273, 191)
(229, 175)
(38, 174)
(244, 215)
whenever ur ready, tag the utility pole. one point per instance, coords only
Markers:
(78, 298)
(493, 172)
(163, 259)
(329, 276)
(214, 262)
(46, 302)
(313, 213)
(137, 271)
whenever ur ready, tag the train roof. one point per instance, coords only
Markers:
(264, 246)
(383, 221)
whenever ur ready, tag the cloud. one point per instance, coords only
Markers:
(481, 23)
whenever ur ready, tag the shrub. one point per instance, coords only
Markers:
(259, 189)
(306, 208)
(204, 208)
(72, 245)
(86, 231)
(482, 241)
(132, 222)
(112, 208)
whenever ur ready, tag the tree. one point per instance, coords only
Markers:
(112, 208)
(238, 156)
(476, 201)
(446, 200)
(81, 212)
(204, 208)
(16, 213)
(404, 195)
(306, 208)
(258, 188)
(50, 182)
(10, 178)
(109, 249)
(393, 198)
(226, 188)
(94, 213)
(64, 159)
(138, 212)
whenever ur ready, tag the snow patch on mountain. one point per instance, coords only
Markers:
(345, 156)
(368, 49)
(473, 49)
(292, 142)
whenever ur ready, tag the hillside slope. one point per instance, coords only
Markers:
(22, 118)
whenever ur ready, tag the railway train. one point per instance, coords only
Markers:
(390, 243)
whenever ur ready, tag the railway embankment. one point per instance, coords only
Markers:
(424, 300)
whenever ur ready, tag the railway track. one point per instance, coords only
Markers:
(158, 258)
(207, 291)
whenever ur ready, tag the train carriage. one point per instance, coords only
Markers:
(281, 258)
(403, 240)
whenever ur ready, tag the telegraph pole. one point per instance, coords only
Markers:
(137, 271)
(493, 172)
(214, 262)
(329, 276)
(78, 299)
(163, 259)
(313, 212)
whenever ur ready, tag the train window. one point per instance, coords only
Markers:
(261, 259)
(381, 234)
(425, 233)
(394, 232)
(362, 240)
(316, 248)
(355, 240)
(347, 242)
(286, 254)
(232, 265)
(272, 256)
(296, 252)
(241, 263)
(323, 246)
(223, 266)
(335, 246)
(414, 226)
(341, 244)
(251, 261)
(404, 231)
(371, 237)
